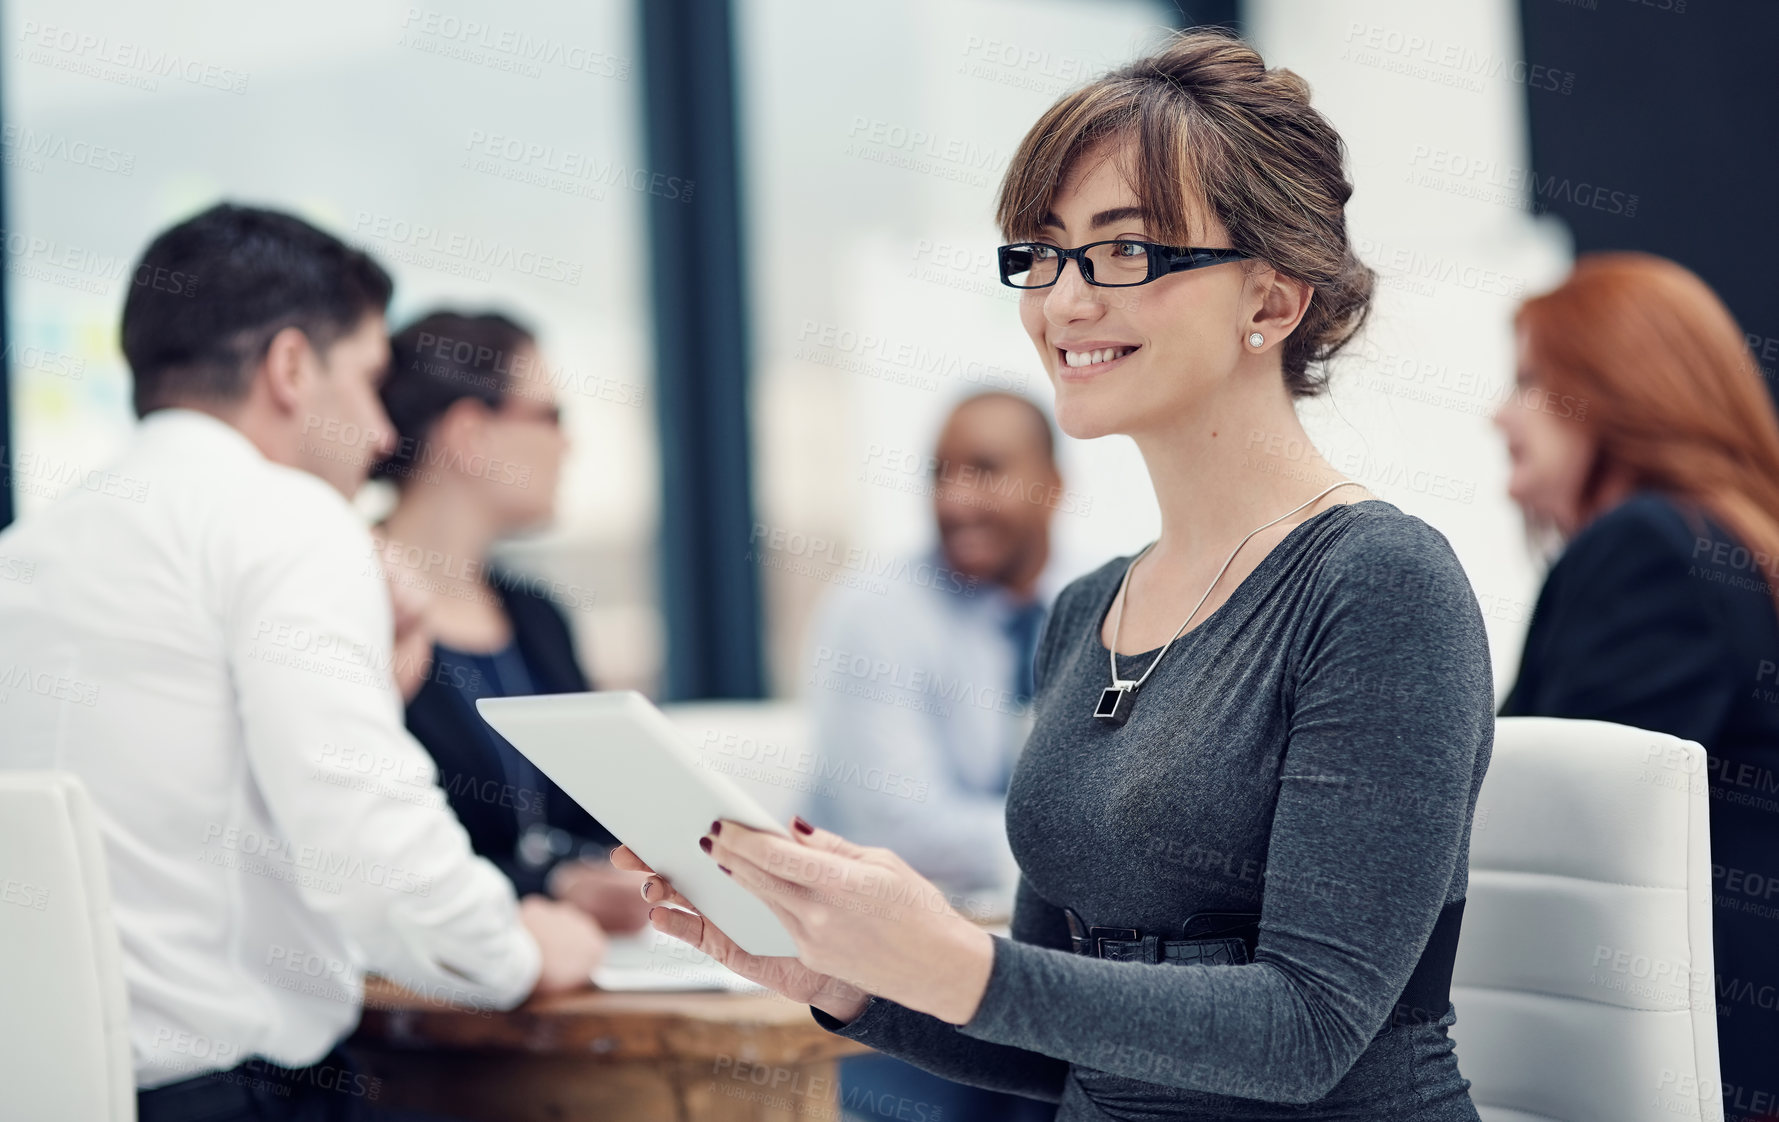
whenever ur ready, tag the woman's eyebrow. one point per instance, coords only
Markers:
(1103, 218)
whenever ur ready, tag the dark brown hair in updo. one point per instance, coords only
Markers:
(438, 360)
(1209, 122)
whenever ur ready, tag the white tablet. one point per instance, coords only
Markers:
(629, 767)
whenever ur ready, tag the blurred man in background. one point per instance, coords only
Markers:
(224, 637)
(921, 695)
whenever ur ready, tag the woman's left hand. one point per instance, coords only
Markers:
(860, 913)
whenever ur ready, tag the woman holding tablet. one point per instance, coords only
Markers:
(1243, 815)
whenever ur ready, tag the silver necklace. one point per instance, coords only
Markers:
(1117, 700)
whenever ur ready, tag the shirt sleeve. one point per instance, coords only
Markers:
(1388, 704)
(1625, 633)
(892, 785)
(936, 1046)
(310, 633)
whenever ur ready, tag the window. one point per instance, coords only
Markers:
(486, 153)
(875, 298)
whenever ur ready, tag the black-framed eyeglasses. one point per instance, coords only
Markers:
(1120, 263)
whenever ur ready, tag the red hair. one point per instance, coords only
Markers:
(1675, 400)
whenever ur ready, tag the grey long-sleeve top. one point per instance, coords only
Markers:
(1311, 751)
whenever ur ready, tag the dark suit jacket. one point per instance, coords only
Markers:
(469, 769)
(1657, 617)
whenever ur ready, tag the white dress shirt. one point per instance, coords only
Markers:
(915, 724)
(206, 641)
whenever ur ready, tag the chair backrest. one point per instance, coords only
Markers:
(1583, 983)
(64, 1029)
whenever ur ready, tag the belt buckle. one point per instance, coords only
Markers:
(1098, 935)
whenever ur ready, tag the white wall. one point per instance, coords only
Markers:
(1431, 100)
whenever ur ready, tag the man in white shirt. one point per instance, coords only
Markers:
(270, 828)
(919, 690)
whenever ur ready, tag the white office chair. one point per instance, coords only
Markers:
(64, 1019)
(1583, 982)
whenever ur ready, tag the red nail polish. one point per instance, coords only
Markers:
(716, 827)
(704, 844)
(725, 870)
(802, 826)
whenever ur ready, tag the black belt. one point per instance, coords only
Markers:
(1229, 938)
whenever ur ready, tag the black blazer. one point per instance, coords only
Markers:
(471, 773)
(1655, 616)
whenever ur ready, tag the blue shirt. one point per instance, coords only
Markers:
(503, 673)
(918, 683)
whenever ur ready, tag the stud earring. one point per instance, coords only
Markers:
(1256, 339)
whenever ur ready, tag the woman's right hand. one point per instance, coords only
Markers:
(836, 997)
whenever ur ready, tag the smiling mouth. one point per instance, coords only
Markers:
(1095, 359)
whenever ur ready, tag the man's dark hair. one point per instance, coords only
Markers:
(210, 293)
(438, 360)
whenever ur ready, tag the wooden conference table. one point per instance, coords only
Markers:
(598, 1055)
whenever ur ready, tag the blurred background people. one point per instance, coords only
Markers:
(1641, 434)
(230, 636)
(920, 686)
(921, 692)
(477, 455)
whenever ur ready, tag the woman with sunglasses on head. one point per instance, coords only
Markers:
(1243, 815)
(478, 454)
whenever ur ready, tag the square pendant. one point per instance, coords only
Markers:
(1115, 704)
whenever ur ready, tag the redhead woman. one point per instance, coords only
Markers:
(1243, 814)
(1643, 437)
